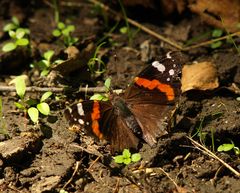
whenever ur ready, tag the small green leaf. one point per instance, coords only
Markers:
(44, 73)
(118, 159)
(63, 191)
(20, 32)
(225, 147)
(27, 31)
(43, 108)
(217, 33)
(33, 114)
(19, 105)
(127, 161)
(107, 83)
(61, 25)
(216, 44)
(126, 153)
(15, 20)
(236, 150)
(56, 33)
(22, 42)
(136, 157)
(9, 47)
(98, 97)
(8, 27)
(48, 55)
(20, 85)
(45, 96)
(65, 32)
(123, 30)
(12, 34)
(70, 28)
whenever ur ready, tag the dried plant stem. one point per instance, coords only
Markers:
(211, 154)
(59, 90)
(210, 41)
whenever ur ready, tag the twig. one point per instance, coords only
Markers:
(210, 41)
(95, 161)
(74, 172)
(59, 90)
(211, 154)
(136, 24)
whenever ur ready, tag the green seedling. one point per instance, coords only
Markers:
(45, 64)
(64, 31)
(105, 96)
(126, 157)
(30, 106)
(95, 64)
(18, 35)
(13, 25)
(18, 38)
(216, 33)
(3, 128)
(228, 147)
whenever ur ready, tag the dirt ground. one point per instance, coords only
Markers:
(48, 157)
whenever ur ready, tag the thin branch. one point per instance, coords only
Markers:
(74, 173)
(211, 154)
(59, 90)
(210, 41)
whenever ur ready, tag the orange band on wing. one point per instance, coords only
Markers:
(95, 115)
(152, 84)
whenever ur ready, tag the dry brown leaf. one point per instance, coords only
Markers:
(212, 11)
(199, 76)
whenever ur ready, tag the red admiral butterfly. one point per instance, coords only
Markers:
(140, 112)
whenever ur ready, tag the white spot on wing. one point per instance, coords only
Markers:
(81, 122)
(80, 109)
(171, 72)
(168, 55)
(168, 79)
(160, 67)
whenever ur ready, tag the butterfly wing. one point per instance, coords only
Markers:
(100, 119)
(152, 96)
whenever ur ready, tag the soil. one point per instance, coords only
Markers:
(49, 157)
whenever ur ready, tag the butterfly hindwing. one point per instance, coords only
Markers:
(102, 120)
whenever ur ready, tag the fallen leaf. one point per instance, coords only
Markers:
(199, 76)
(213, 11)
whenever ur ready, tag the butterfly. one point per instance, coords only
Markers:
(141, 112)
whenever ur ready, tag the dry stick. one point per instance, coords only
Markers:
(95, 161)
(210, 41)
(75, 171)
(58, 90)
(138, 25)
(204, 149)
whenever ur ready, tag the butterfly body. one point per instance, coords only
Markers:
(142, 111)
